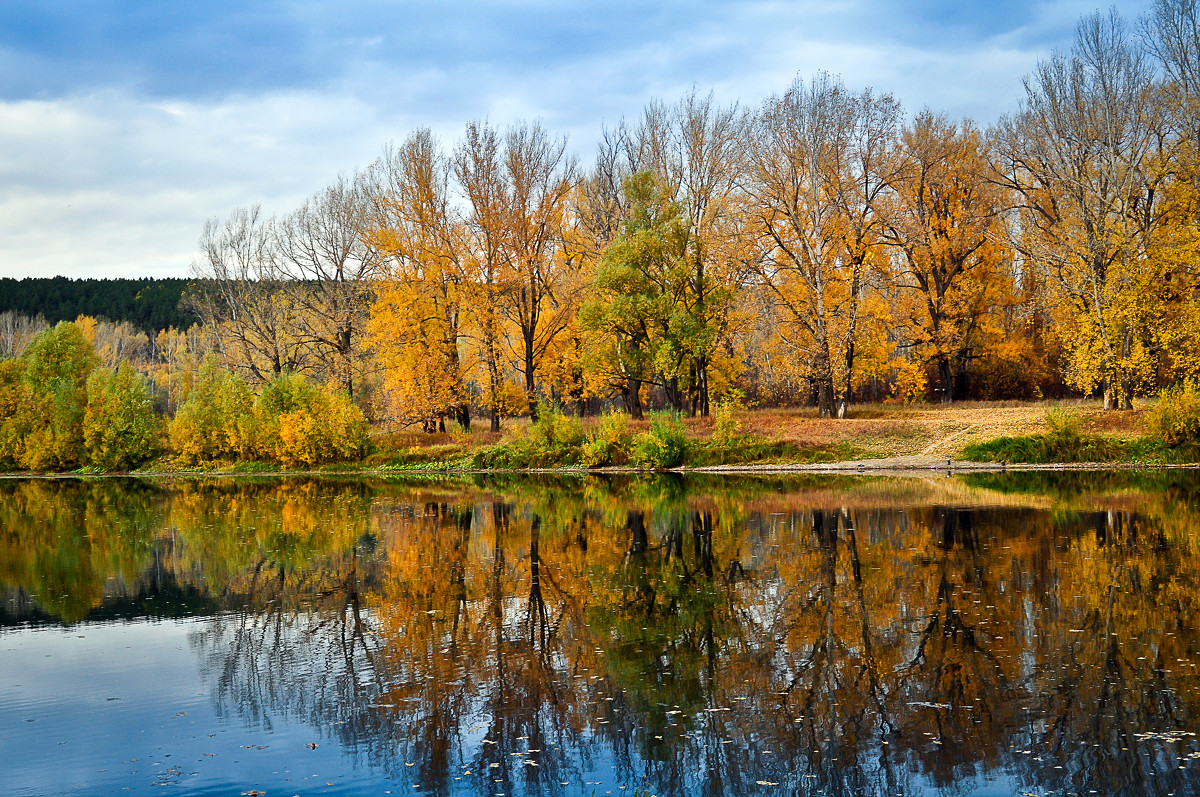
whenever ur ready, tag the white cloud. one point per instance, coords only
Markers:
(116, 183)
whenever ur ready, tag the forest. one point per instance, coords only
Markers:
(821, 247)
(148, 304)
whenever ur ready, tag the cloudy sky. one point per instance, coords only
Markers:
(124, 124)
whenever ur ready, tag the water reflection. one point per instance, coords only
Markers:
(827, 636)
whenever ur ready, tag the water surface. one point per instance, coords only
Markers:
(989, 634)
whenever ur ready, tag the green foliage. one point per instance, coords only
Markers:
(121, 430)
(50, 408)
(1175, 419)
(608, 442)
(1063, 422)
(665, 445)
(553, 440)
(302, 424)
(216, 423)
(15, 402)
(149, 304)
(1065, 443)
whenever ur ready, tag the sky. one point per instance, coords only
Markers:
(125, 124)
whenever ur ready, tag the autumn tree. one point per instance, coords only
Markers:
(478, 169)
(539, 299)
(121, 430)
(634, 305)
(819, 162)
(1172, 35)
(417, 321)
(327, 269)
(1078, 155)
(944, 220)
(237, 294)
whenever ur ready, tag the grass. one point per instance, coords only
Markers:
(1030, 432)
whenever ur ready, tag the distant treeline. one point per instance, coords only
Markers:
(148, 304)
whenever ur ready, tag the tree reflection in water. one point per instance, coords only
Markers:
(541, 637)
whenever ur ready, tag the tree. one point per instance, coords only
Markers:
(417, 321)
(634, 305)
(327, 270)
(238, 296)
(55, 371)
(1078, 156)
(121, 430)
(944, 219)
(216, 423)
(478, 169)
(819, 163)
(691, 149)
(538, 301)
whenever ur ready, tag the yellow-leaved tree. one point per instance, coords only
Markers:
(944, 219)
(418, 318)
(820, 160)
(1079, 155)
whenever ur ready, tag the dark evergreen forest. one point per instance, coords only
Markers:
(149, 304)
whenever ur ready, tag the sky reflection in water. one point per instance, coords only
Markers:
(983, 635)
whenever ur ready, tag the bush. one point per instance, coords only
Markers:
(665, 445)
(725, 424)
(1176, 417)
(554, 439)
(54, 371)
(608, 441)
(299, 423)
(216, 423)
(121, 430)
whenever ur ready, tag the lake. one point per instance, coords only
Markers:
(986, 634)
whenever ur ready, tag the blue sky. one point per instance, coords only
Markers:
(124, 125)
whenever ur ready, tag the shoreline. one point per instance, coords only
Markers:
(912, 466)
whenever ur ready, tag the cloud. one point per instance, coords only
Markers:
(124, 125)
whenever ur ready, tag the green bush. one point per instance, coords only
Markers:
(1175, 419)
(1063, 443)
(121, 430)
(216, 422)
(608, 442)
(553, 440)
(665, 445)
(50, 402)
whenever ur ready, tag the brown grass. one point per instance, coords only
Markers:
(883, 429)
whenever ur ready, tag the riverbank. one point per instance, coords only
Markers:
(974, 436)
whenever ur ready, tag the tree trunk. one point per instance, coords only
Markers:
(633, 398)
(462, 414)
(674, 394)
(825, 402)
(946, 378)
(530, 386)
(1110, 395)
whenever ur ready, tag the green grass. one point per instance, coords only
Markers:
(1071, 447)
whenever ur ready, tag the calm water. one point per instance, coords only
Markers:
(990, 635)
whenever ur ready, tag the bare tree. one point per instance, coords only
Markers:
(1077, 156)
(327, 270)
(238, 295)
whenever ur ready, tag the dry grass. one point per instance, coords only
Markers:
(934, 429)
(883, 429)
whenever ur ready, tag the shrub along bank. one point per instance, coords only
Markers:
(60, 411)
(1175, 438)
